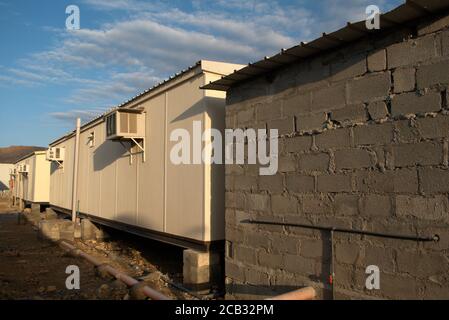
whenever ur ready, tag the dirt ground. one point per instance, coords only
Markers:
(33, 268)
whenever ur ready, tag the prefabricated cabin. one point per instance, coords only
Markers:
(126, 179)
(32, 179)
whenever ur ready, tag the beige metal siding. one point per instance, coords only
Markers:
(155, 194)
(5, 169)
(34, 186)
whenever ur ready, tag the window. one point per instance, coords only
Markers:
(91, 140)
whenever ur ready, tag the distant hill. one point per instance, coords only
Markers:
(14, 153)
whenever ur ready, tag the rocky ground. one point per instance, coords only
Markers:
(33, 268)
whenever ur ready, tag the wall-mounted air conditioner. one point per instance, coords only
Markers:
(55, 154)
(24, 168)
(125, 124)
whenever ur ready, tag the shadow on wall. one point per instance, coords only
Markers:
(109, 152)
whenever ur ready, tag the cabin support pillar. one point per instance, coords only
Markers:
(201, 269)
(89, 231)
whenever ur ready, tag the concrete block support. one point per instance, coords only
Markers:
(35, 207)
(201, 269)
(87, 230)
(90, 231)
(55, 230)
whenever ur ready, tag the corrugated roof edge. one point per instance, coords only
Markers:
(409, 11)
(30, 155)
(127, 102)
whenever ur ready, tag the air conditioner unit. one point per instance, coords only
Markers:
(24, 168)
(125, 124)
(56, 154)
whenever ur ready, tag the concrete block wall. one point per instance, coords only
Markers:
(364, 145)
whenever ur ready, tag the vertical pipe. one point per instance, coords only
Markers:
(332, 275)
(75, 170)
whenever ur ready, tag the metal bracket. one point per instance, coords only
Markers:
(141, 147)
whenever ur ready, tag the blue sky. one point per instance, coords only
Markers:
(49, 75)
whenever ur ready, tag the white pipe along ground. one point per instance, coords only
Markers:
(129, 281)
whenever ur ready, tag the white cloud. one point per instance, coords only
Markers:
(151, 40)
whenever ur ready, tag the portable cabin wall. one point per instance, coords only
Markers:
(34, 186)
(185, 201)
(5, 170)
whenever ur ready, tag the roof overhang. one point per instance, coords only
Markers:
(400, 16)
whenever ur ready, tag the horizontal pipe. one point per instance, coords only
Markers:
(129, 281)
(434, 238)
(307, 293)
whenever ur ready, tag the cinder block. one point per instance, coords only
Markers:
(346, 205)
(245, 116)
(272, 184)
(333, 138)
(245, 254)
(334, 183)
(353, 159)
(434, 180)
(434, 127)
(244, 182)
(268, 111)
(407, 131)
(433, 74)
(329, 98)
(297, 104)
(369, 87)
(404, 79)
(49, 230)
(374, 205)
(66, 230)
(234, 271)
(376, 134)
(347, 253)
(88, 230)
(299, 265)
(377, 61)
(298, 144)
(422, 264)
(396, 286)
(316, 204)
(314, 162)
(281, 244)
(412, 51)
(351, 67)
(383, 257)
(434, 208)
(311, 122)
(411, 103)
(35, 207)
(350, 114)
(287, 164)
(313, 248)
(378, 110)
(283, 205)
(200, 268)
(284, 126)
(424, 153)
(269, 260)
(257, 239)
(397, 181)
(300, 183)
(258, 202)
